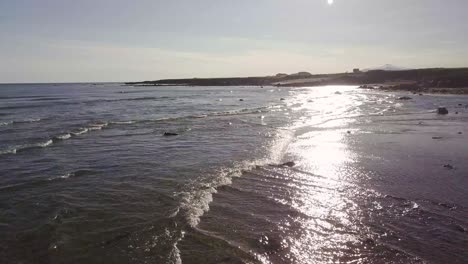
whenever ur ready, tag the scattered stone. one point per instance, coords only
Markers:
(170, 134)
(459, 133)
(460, 104)
(421, 94)
(241, 100)
(460, 228)
(437, 137)
(289, 164)
(448, 166)
(337, 92)
(349, 132)
(368, 241)
(442, 111)
(405, 98)
(456, 113)
(282, 99)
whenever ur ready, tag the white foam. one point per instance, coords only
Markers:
(196, 201)
(80, 132)
(6, 123)
(123, 122)
(64, 136)
(8, 151)
(44, 144)
(97, 126)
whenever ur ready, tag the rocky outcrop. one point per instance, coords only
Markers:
(442, 111)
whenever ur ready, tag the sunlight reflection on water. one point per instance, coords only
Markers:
(323, 155)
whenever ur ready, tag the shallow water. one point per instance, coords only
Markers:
(86, 175)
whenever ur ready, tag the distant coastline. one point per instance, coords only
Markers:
(431, 80)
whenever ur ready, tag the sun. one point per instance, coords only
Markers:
(330, 2)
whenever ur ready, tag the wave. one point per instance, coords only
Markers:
(54, 139)
(20, 148)
(63, 136)
(123, 122)
(80, 131)
(195, 200)
(6, 123)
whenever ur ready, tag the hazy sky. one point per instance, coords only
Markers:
(123, 40)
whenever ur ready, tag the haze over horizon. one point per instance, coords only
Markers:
(117, 40)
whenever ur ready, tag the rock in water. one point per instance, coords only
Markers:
(448, 166)
(289, 164)
(405, 98)
(169, 134)
(442, 111)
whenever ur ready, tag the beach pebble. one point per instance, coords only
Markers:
(459, 133)
(282, 99)
(442, 111)
(337, 92)
(241, 100)
(437, 137)
(168, 134)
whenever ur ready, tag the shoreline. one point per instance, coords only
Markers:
(431, 80)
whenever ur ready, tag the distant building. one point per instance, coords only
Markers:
(302, 74)
(281, 75)
(356, 70)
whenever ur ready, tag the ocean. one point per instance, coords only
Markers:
(88, 175)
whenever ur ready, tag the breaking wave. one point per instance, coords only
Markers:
(196, 199)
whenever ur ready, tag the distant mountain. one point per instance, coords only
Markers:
(387, 67)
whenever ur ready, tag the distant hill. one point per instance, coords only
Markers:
(387, 67)
(427, 78)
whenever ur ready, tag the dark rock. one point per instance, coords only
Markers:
(349, 132)
(405, 98)
(170, 134)
(459, 133)
(289, 164)
(448, 166)
(437, 137)
(456, 113)
(368, 241)
(241, 100)
(460, 228)
(442, 111)
(337, 92)
(459, 104)
(282, 99)
(421, 94)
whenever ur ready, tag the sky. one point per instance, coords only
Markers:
(121, 40)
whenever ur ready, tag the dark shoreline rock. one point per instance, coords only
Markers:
(442, 111)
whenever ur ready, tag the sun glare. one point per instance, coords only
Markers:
(330, 2)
